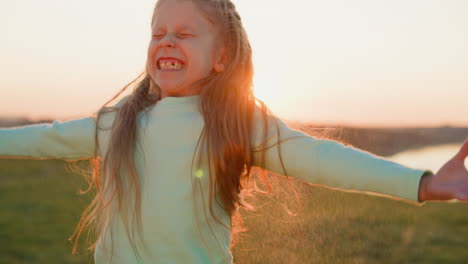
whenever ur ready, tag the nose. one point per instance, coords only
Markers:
(167, 41)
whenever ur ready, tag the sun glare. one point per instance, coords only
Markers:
(266, 89)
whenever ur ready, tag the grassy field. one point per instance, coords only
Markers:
(40, 208)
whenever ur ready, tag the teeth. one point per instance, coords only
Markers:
(169, 65)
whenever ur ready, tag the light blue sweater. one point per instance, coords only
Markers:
(167, 136)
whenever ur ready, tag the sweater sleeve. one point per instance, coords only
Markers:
(70, 140)
(73, 139)
(330, 163)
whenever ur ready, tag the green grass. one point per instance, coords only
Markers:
(40, 208)
(338, 227)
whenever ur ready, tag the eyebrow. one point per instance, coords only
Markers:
(180, 28)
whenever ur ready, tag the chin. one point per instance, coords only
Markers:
(167, 86)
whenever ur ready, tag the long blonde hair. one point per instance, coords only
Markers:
(226, 136)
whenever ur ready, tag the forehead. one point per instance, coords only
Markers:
(180, 14)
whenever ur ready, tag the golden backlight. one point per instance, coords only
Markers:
(365, 62)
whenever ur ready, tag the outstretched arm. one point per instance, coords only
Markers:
(70, 140)
(330, 163)
(73, 139)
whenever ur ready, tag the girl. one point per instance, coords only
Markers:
(183, 144)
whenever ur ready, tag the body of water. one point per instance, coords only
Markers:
(432, 157)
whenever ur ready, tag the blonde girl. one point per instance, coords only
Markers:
(172, 159)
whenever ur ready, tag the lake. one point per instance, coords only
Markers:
(432, 157)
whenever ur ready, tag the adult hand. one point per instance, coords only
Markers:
(450, 182)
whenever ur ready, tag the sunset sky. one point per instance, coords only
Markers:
(361, 62)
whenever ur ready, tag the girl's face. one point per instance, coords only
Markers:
(183, 48)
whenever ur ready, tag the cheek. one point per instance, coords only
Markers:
(151, 54)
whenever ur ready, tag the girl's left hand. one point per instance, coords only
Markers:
(450, 182)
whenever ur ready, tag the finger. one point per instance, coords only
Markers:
(463, 152)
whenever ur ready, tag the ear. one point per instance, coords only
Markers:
(220, 61)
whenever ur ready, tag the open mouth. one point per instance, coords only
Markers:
(170, 64)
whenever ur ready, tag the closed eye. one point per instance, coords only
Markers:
(181, 35)
(185, 35)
